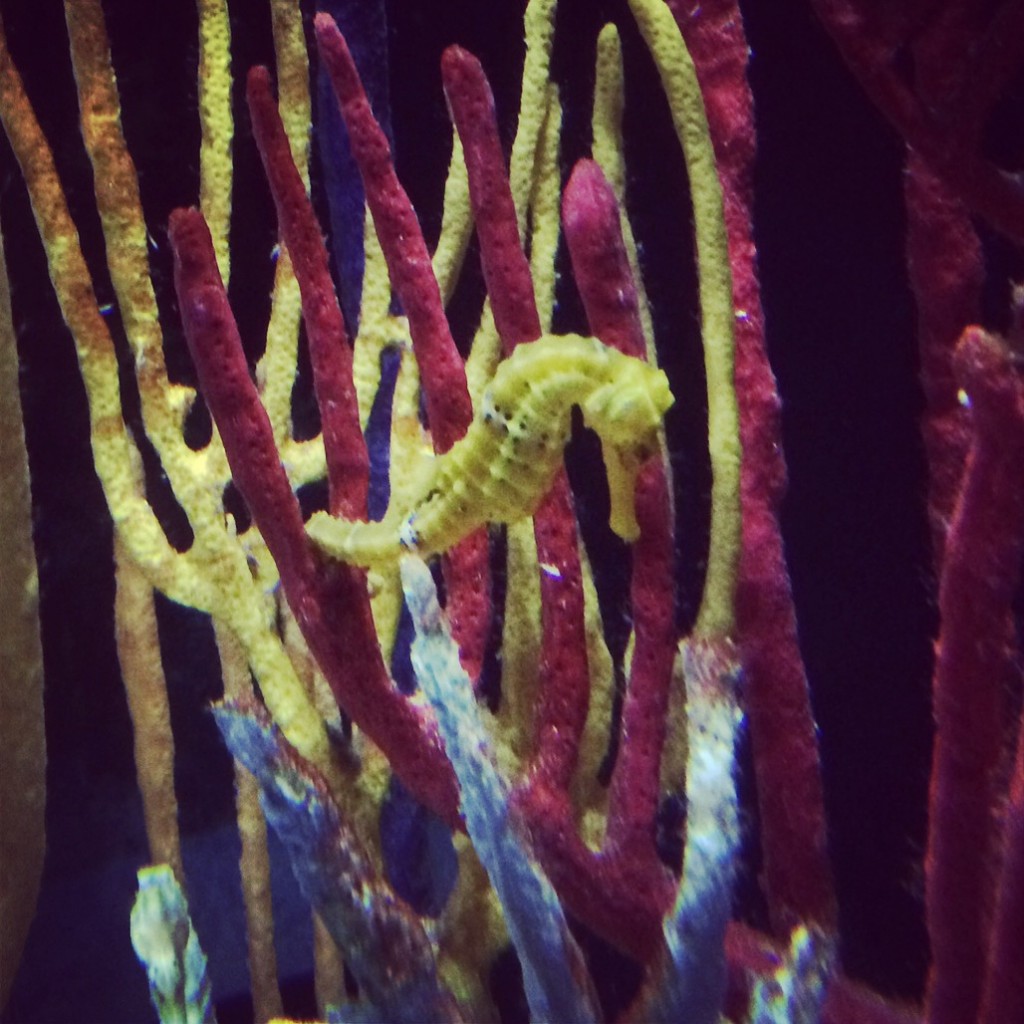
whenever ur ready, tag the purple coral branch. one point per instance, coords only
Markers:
(384, 941)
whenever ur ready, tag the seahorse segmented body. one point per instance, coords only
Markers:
(508, 458)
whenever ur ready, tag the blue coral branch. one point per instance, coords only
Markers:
(167, 945)
(689, 984)
(554, 975)
(381, 938)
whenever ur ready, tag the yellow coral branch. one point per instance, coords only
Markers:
(679, 80)
(539, 25)
(545, 208)
(608, 151)
(113, 451)
(217, 123)
(275, 372)
(142, 671)
(254, 863)
(456, 223)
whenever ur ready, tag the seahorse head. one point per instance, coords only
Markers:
(627, 410)
(626, 413)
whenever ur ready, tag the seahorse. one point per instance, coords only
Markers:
(507, 460)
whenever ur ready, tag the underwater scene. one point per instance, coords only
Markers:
(512, 511)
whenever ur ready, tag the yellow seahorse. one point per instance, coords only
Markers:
(499, 471)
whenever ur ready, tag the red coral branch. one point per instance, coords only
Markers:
(946, 270)
(797, 874)
(348, 467)
(979, 578)
(624, 891)
(449, 409)
(1003, 1000)
(870, 43)
(564, 679)
(1004, 996)
(329, 601)
(506, 271)
(467, 579)
(590, 215)
(443, 375)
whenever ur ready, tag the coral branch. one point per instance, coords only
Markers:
(553, 969)
(798, 883)
(329, 603)
(167, 945)
(870, 51)
(946, 269)
(1004, 984)
(689, 984)
(348, 468)
(980, 575)
(601, 268)
(563, 670)
(506, 271)
(444, 377)
(717, 614)
(382, 938)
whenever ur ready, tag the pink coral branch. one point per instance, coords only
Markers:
(329, 602)
(348, 468)
(979, 577)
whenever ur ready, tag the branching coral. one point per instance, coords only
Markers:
(563, 781)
